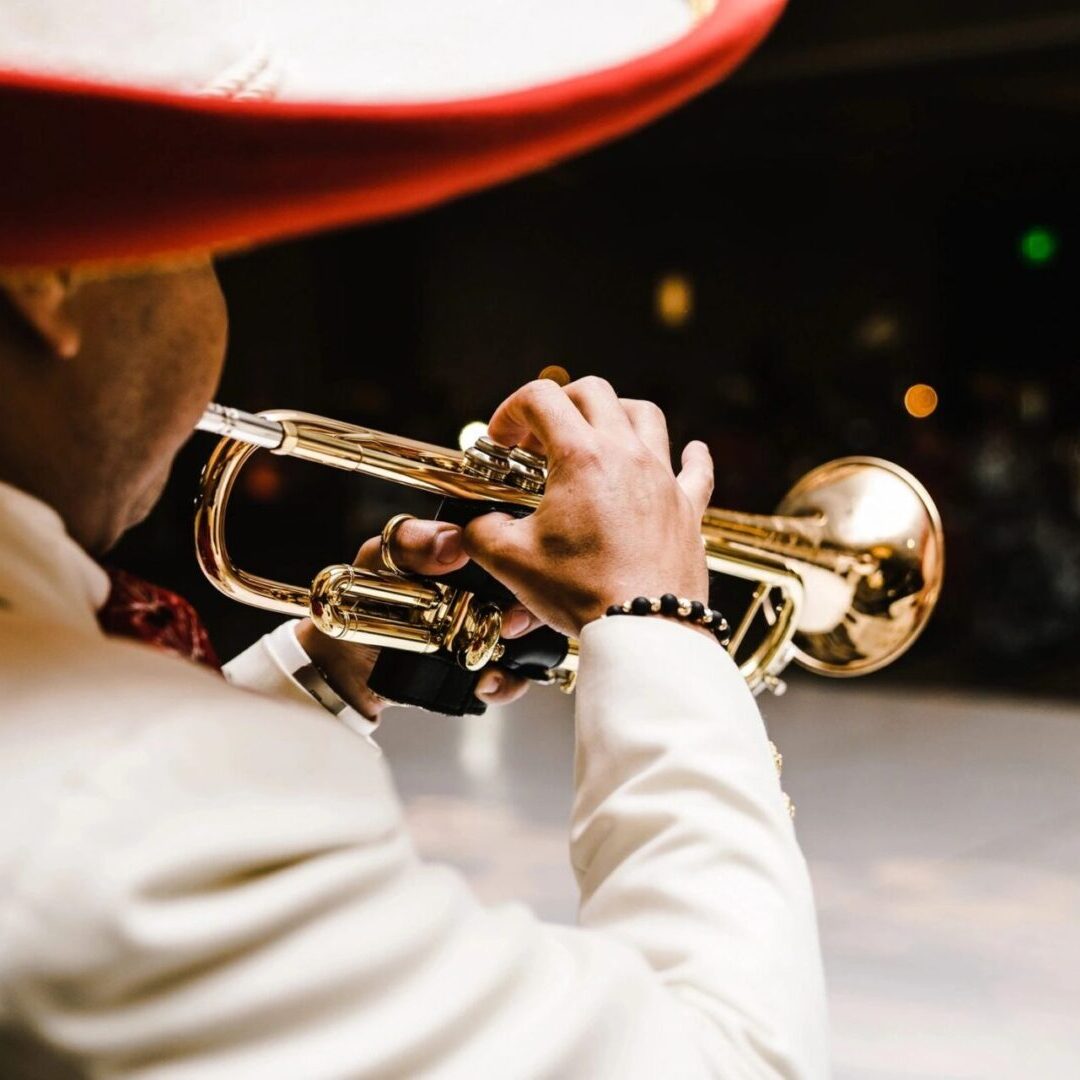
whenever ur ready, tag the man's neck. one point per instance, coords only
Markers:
(41, 478)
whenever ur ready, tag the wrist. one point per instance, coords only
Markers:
(680, 610)
(613, 594)
(344, 665)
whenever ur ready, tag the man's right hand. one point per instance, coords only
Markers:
(615, 521)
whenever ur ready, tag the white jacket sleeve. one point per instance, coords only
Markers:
(226, 890)
(684, 846)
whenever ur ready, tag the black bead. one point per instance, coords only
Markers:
(641, 605)
(669, 604)
(615, 609)
(697, 610)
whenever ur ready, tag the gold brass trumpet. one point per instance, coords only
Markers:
(845, 574)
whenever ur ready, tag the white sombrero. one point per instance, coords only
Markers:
(135, 130)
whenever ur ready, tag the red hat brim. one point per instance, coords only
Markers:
(98, 173)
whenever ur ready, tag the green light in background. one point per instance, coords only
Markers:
(1038, 246)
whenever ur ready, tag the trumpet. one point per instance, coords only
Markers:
(843, 576)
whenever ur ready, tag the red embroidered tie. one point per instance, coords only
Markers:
(146, 612)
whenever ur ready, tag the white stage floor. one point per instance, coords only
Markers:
(942, 831)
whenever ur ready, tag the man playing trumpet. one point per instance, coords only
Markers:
(199, 880)
(204, 877)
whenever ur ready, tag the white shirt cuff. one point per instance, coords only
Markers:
(277, 665)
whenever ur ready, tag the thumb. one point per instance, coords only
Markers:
(418, 547)
(496, 541)
(696, 478)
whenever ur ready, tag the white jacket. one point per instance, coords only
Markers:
(200, 880)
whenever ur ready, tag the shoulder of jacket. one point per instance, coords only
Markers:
(111, 755)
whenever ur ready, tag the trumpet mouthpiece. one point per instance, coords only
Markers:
(242, 426)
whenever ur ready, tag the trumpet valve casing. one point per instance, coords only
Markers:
(367, 607)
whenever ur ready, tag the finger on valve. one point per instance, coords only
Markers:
(597, 401)
(541, 418)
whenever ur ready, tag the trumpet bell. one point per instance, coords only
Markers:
(883, 598)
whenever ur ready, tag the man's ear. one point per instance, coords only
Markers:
(41, 300)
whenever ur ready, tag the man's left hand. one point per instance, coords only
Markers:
(427, 548)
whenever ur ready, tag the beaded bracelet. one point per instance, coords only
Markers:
(677, 607)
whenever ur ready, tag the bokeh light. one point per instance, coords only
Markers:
(920, 400)
(556, 373)
(1038, 245)
(878, 330)
(674, 299)
(262, 480)
(473, 430)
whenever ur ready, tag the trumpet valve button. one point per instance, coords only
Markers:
(526, 457)
(527, 471)
(490, 446)
(488, 459)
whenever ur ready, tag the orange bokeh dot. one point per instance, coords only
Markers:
(556, 373)
(920, 400)
(674, 299)
(262, 481)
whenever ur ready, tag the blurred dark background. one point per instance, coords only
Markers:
(883, 197)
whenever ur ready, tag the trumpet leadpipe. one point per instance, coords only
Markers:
(243, 426)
